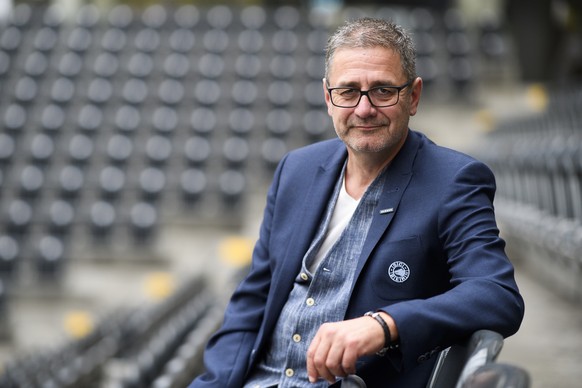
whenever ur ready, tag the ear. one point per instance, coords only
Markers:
(327, 98)
(416, 90)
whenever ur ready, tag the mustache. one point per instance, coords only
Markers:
(365, 123)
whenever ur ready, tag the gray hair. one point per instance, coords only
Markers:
(369, 32)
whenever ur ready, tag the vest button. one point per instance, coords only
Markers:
(289, 372)
(296, 338)
(310, 301)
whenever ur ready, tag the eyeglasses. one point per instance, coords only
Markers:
(379, 96)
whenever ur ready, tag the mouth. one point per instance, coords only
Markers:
(368, 127)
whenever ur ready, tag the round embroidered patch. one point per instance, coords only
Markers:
(399, 271)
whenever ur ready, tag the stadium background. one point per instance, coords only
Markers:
(137, 140)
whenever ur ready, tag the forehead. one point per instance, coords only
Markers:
(361, 65)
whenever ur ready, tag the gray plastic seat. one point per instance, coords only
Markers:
(498, 375)
(454, 364)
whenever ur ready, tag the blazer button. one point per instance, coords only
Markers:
(421, 359)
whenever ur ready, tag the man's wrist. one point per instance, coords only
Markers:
(390, 343)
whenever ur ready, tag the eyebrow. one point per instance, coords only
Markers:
(375, 84)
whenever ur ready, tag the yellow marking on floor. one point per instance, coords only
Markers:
(236, 251)
(537, 97)
(78, 323)
(159, 285)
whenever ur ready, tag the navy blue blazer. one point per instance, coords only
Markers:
(435, 216)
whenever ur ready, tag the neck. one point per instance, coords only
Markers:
(361, 170)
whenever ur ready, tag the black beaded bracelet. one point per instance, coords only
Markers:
(388, 343)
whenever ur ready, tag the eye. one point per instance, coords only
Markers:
(347, 93)
(384, 91)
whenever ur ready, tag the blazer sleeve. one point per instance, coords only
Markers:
(227, 354)
(483, 293)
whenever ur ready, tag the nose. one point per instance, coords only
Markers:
(365, 107)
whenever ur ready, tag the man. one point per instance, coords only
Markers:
(377, 249)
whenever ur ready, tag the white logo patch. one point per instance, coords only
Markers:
(398, 271)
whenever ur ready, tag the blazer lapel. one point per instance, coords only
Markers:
(398, 176)
(307, 222)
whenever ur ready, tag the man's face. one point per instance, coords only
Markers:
(365, 128)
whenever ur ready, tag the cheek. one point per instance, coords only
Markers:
(338, 117)
(329, 109)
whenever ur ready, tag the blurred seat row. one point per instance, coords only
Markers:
(157, 345)
(537, 161)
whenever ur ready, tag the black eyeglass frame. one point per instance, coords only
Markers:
(365, 93)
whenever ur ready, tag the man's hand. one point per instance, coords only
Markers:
(337, 346)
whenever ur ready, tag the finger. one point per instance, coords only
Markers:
(311, 368)
(318, 356)
(350, 356)
(334, 360)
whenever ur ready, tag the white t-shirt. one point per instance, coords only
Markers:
(342, 213)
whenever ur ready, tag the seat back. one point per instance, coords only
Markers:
(454, 364)
(353, 381)
(497, 375)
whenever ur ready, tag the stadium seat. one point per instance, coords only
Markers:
(87, 16)
(119, 149)
(251, 41)
(216, 41)
(497, 375)
(232, 185)
(7, 149)
(15, 118)
(244, 93)
(207, 92)
(187, 16)
(236, 151)
(9, 257)
(158, 150)
(143, 220)
(26, 90)
(71, 181)
(140, 65)
(272, 151)
(127, 119)
(182, 40)
(79, 40)
(134, 92)
(102, 218)
(279, 122)
(171, 91)
(31, 181)
(112, 181)
(241, 122)
(50, 257)
(165, 120)
(193, 183)
(19, 215)
(61, 217)
(42, 149)
(152, 182)
(454, 364)
(197, 151)
(114, 39)
(203, 121)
